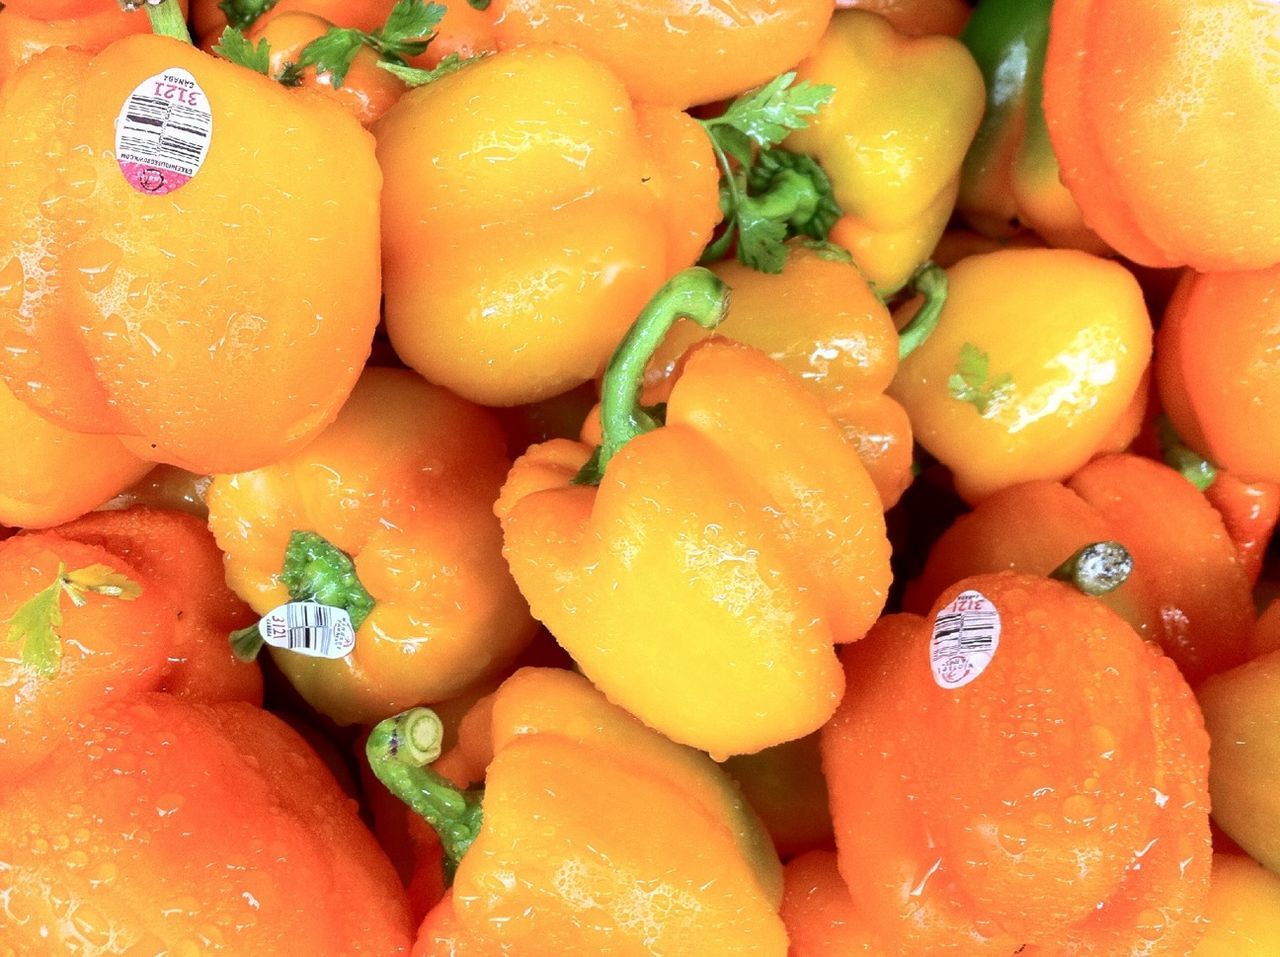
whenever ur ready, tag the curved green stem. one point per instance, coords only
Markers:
(1188, 463)
(166, 18)
(1097, 568)
(399, 750)
(929, 281)
(696, 294)
(317, 570)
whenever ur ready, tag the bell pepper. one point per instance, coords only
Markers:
(106, 608)
(1092, 842)
(917, 18)
(552, 210)
(160, 826)
(678, 865)
(892, 139)
(785, 786)
(1217, 369)
(1010, 177)
(388, 516)
(1038, 356)
(819, 913)
(824, 324)
(133, 299)
(1242, 712)
(1243, 910)
(1143, 102)
(672, 51)
(1266, 632)
(210, 17)
(46, 482)
(1188, 591)
(745, 525)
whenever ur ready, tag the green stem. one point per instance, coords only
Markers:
(167, 20)
(1188, 463)
(696, 294)
(399, 750)
(1097, 568)
(317, 570)
(792, 196)
(929, 281)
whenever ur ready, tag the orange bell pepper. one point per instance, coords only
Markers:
(819, 913)
(552, 211)
(672, 51)
(106, 608)
(133, 299)
(1243, 910)
(160, 826)
(1038, 356)
(1014, 853)
(43, 478)
(1188, 591)
(917, 18)
(1217, 369)
(892, 139)
(1143, 100)
(822, 322)
(746, 525)
(395, 499)
(1250, 511)
(558, 754)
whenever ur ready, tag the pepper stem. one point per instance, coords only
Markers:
(399, 749)
(166, 18)
(696, 294)
(1188, 463)
(1097, 568)
(929, 281)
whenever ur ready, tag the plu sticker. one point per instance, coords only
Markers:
(966, 634)
(309, 628)
(163, 132)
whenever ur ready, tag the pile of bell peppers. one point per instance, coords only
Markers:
(571, 477)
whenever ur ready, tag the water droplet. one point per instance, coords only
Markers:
(103, 875)
(1079, 809)
(11, 284)
(81, 180)
(1012, 837)
(167, 804)
(1151, 924)
(96, 263)
(76, 860)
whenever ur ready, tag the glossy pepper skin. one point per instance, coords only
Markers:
(821, 918)
(1188, 590)
(1218, 372)
(821, 321)
(46, 482)
(404, 483)
(1243, 910)
(917, 18)
(150, 316)
(1010, 176)
(208, 19)
(703, 584)
(171, 637)
(675, 52)
(1012, 853)
(679, 866)
(1038, 357)
(160, 826)
(552, 211)
(1141, 98)
(892, 139)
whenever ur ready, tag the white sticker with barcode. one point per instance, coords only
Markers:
(309, 628)
(163, 132)
(966, 634)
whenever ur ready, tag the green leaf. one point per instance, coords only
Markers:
(103, 580)
(415, 77)
(480, 5)
(317, 570)
(969, 383)
(407, 32)
(734, 143)
(761, 240)
(769, 114)
(242, 14)
(235, 46)
(333, 53)
(410, 22)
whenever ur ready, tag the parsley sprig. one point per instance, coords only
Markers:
(406, 33)
(972, 382)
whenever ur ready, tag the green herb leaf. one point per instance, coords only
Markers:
(761, 240)
(242, 14)
(969, 383)
(409, 25)
(333, 53)
(317, 570)
(775, 110)
(235, 46)
(480, 5)
(415, 77)
(406, 33)
(36, 625)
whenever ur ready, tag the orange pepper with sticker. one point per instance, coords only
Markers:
(386, 518)
(555, 754)
(1146, 107)
(163, 826)
(106, 608)
(138, 211)
(1036, 365)
(965, 824)
(892, 138)
(553, 209)
(743, 521)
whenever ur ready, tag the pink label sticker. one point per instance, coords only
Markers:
(163, 132)
(966, 634)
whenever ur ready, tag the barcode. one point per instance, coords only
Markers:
(310, 627)
(163, 132)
